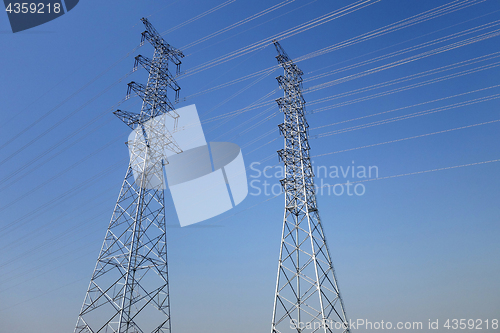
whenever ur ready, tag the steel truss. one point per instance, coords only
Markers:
(129, 289)
(307, 296)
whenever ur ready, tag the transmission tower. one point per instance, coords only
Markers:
(307, 296)
(129, 289)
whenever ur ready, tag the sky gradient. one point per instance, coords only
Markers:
(411, 248)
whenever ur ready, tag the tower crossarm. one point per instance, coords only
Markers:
(155, 100)
(164, 74)
(152, 36)
(131, 119)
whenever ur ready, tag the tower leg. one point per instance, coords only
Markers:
(129, 286)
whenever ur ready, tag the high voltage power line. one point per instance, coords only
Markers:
(412, 137)
(454, 75)
(420, 172)
(416, 19)
(58, 123)
(428, 14)
(407, 60)
(420, 113)
(455, 5)
(460, 94)
(366, 180)
(405, 107)
(8, 179)
(273, 197)
(17, 223)
(410, 78)
(286, 34)
(408, 138)
(384, 84)
(211, 10)
(406, 50)
(237, 24)
(102, 74)
(383, 57)
(249, 19)
(57, 220)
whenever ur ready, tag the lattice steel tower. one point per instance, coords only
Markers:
(129, 289)
(307, 296)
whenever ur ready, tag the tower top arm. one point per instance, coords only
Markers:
(282, 55)
(284, 60)
(154, 37)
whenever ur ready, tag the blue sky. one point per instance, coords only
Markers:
(411, 248)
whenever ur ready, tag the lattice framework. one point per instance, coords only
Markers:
(307, 296)
(129, 288)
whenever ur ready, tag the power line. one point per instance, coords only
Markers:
(404, 42)
(380, 85)
(417, 172)
(9, 180)
(62, 120)
(409, 49)
(51, 179)
(88, 84)
(271, 198)
(406, 60)
(17, 223)
(411, 115)
(427, 134)
(408, 22)
(408, 138)
(345, 68)
(405, 107)
(92, 81)
(73, 229)
(237, 24)
(240, 91)
(286, 34)
(196, 18)
(50, 129)
(396, 90)
(57, 220)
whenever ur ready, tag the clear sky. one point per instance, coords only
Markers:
(410, 248)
